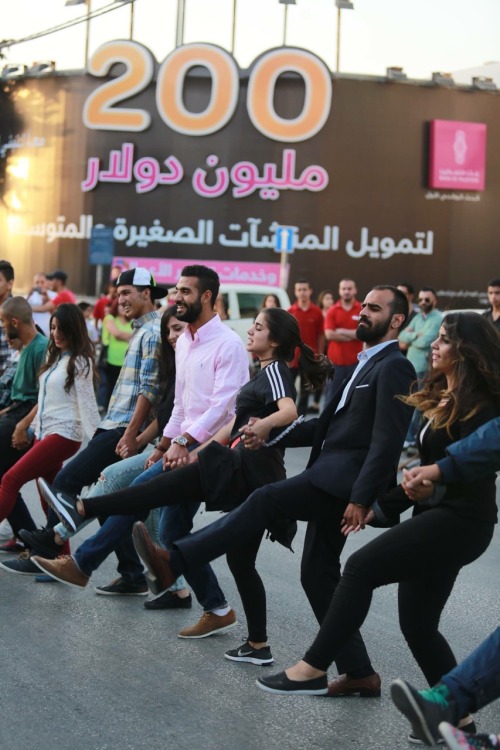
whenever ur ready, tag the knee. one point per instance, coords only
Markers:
(239, 565)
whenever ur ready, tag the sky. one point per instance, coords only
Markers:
(421, 36)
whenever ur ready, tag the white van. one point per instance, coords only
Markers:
(242, 302)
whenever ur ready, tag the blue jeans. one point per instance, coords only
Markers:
(476, 681)
(84, 469)
(176, 521)
(121, 474)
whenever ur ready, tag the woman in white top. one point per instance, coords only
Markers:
(66, 408)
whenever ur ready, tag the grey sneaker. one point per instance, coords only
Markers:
(424, 709)
(21, 564)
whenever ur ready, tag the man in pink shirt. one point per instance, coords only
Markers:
(211, 367)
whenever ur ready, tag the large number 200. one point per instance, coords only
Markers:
(100, 113)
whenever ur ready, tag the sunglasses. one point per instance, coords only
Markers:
(424, 299)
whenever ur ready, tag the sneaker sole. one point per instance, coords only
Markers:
(120, 593)
(58, 509)
(406, 703)
(19, 572)
(276, 691)
(56, 578)
(251, 660)
(212, 632)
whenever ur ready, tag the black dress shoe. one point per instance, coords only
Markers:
(281, 685)
(168, 600)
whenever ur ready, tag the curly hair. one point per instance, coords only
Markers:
(476, 346)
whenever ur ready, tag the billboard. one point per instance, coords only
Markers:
(192, 158)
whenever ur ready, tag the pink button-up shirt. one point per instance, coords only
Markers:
(211, 367)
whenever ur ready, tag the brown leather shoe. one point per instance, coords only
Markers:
(156, 559)
(365, 687)
(63, 569)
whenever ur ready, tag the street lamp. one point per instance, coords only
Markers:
(286, 3)
(341, 5)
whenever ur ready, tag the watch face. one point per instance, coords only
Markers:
(181, 440)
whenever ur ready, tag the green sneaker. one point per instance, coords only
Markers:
(425, 710)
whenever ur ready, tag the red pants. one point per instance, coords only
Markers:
(44, 459)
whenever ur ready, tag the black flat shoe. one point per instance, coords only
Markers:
(281, 685)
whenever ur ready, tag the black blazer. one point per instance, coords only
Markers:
(364, 439)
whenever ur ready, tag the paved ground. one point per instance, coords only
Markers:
(88, 672)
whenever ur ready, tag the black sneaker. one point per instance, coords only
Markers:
(119, 587)
(63, 504)
(22, 565)
(41, 542)
(169, 600)
(424, 709)
(262, 657)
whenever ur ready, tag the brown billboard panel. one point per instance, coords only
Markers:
(208, 162)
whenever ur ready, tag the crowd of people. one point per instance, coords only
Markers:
(179, 422)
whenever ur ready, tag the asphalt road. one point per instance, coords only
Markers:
(89, 672)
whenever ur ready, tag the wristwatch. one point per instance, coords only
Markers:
(180, 440)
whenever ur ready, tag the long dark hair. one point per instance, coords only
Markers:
(284, 331)
(72, 325)
(476, 345)
(167, 354)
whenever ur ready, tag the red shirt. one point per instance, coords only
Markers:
(64, 296)
(102, 302)
(310, 326)
(343, 352)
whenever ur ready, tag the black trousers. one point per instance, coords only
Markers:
(424, 554)
(178, 488)
(298, 499)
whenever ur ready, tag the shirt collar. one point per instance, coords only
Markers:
(367, 354)
(206, 330)
(139, 322)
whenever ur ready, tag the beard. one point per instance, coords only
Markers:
(370, 332)
(192, 312)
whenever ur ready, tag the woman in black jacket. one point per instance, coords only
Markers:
(448, 529)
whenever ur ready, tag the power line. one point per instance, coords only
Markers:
(4, 43)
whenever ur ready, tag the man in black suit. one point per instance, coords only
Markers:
(356, 444)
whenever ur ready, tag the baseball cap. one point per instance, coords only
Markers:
(58, 274)
(141, 277)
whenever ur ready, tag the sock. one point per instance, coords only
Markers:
(221, 611)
